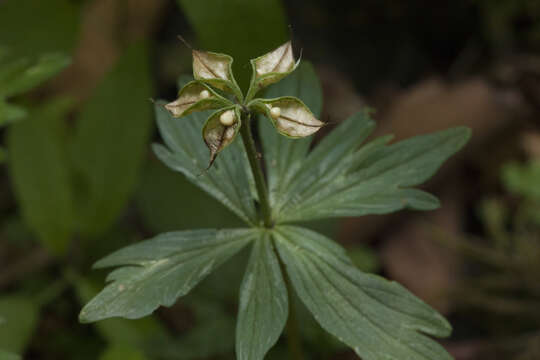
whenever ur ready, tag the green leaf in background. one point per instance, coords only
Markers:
(10, 113)
(243, 29)
(522, 179)
(364, 258)
(339, 179)
(212, 334)
(39, 170)
(263, 308)
(18, 75)
(284, 156)
(20, 315)
(121, 352)
(110, 140)
(223, 286)
(30, 27)
(377, 318)
(4, 355)
(162, 200)
(227, 180)
(158, 271)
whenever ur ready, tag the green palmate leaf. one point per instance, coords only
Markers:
(109, 143)
(20, 316)
(289, 115)
(271, 68)
(283, 156)
(228, 180)
(196, 96)
(22, 74)
(263, 306)
(215, 69)
(158, 271)
(135, 334)
(40, 174)
(328, 159)
(339, 179)
(221, 129)
(379, 319)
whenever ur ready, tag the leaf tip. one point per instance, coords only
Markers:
(467, 133)
(84, 317)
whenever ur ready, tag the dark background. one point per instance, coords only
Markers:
(79, 179)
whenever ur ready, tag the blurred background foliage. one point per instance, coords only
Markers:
(78, 179)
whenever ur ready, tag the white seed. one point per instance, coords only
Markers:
(227, 118)
(275, 112)
(204, 94)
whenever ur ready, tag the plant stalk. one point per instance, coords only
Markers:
(293, 334)
(256, 169)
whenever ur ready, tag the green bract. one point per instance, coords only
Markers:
(343, 175)
(19, 75)
(290, 116)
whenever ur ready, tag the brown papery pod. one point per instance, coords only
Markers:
(290, 116)
(215, 69)
(220, 130)
(272, 67)
(195, 96)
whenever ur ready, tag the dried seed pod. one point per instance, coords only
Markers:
(290, 116)
(215, 69)
(221, 129)
(272, 67)
(195, 96)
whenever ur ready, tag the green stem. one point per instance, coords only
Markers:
(256, 169)
(293, 334)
